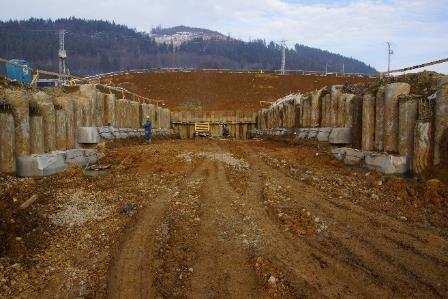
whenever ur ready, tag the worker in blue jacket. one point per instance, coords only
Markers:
(148, 130)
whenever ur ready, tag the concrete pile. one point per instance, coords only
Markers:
(394, 130)
(37, 128)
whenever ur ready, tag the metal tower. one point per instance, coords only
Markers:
(63, 70)
(283, 67)
(390, 52)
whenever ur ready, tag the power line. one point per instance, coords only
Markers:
(418, 66)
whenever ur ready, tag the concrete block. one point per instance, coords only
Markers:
(312, 133)
(135, 133)
(123, 133)
(92, 156)
(115, 133)
(76, 156)
(340, 136)
(303, 133)
(106, 132)
(353, 156)
(339, 152)
(387, 164)
(88, 135)
(41, 165)
(324, 134)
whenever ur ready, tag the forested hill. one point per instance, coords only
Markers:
(100, 46)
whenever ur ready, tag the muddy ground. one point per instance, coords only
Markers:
(223, 218)
(222, 91)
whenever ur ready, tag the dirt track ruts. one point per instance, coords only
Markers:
(235, 245)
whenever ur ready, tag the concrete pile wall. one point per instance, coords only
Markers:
(389, 122)
(36, 125)
(239, 123)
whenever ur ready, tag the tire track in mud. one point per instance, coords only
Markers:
(131, 272)
(359, 250)
(217, 235)
(302, 270)
(223, 266)
(267, 245)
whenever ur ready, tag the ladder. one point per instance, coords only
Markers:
(202, 129)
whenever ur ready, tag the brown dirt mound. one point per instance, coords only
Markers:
(222, 91)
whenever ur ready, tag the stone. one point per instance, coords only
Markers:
(272, 280)
(353, 156)
(123, 133)
(387, 164)
(88, 135)
(41, 165)
(115, 133)
(29, 202)
(106, 132)
(340, 136)
(303, 133)
(312, 133)
(76, 156)
(92, 156)
(129, 208)
(323, 134)
(339, 152)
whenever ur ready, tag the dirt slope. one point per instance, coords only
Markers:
(229, 219)
(221, 91)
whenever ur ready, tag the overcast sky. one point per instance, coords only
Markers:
(418, 29)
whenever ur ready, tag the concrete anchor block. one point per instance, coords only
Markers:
(353, 156)
(312, 133)
(88, 135)
(303, 133)
(123, 133)
(115, 133)
(92, 156)
(387, 164)
(339, 152)
(106, 132)
(131, 133)
(76, 156)
(324, 134)
(340, 136)
(41, 165)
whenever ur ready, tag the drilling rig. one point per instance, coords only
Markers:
(64, 73)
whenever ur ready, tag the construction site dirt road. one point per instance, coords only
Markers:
(227, 218)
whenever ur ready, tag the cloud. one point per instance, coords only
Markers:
(417, 28)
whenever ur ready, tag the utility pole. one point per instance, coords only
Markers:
(343, 69)
(326, 68)
(63, 71)
(283, 67)
(390, 52)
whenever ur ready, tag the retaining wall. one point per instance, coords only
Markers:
(239, 123)
(389, 120)
(37, 123)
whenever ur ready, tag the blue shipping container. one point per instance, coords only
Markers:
(19, 70)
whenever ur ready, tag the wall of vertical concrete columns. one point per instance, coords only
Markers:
(33, 123)
(388, 120)
(7, 142)
(441, 123)
(239, 123)
(368, 122)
